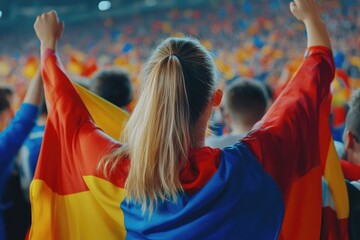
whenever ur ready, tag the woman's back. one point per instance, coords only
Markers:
(227, 194)
(162, 182)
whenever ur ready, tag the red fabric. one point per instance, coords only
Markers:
(65, 105)
(199, 169)
(332, 227)
(339, 116)
(344, 77)
(287, 143)
(351, 171)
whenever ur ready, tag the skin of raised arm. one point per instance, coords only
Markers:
(35, 92)
(308, 12)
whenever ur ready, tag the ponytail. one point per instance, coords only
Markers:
(157, 136)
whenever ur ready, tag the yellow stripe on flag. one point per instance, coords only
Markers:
(79, 215)
(107, 116)
(336, 183)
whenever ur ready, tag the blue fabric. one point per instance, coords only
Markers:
(338, 132)
(29, 153)
(11, 139)
(241, 201)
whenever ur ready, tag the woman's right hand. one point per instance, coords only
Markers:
(48, 29)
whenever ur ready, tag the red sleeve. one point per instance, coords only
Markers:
(286, 140)
(72, 143)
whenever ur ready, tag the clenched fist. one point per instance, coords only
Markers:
(48, 29)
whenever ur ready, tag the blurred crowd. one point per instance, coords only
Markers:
(261, 46)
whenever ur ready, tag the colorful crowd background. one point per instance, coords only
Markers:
(266, 51)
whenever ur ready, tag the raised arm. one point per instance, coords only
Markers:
(292, 139)
(286, 141)
(70, 128)
(35, 92)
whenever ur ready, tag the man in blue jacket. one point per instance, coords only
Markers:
(13, 136)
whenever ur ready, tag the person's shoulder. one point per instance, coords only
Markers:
(223, 141)
(239, 154)
(212, 141)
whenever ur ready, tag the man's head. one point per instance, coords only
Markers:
(8, 92)
(246, 102)
(113, 85)
(352, 130)
(5, 111)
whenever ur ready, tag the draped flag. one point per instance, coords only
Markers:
(334, 197)
(308, 155)
(107, 116)
(76, 215)
(267, 186)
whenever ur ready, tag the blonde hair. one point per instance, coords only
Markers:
(177, 83)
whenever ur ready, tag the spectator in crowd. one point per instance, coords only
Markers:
(5, 117)
(29, 152)
(18, 216)
(13, 136)
(245, 103)
(351, 164)
(9, 93)
(113, 85)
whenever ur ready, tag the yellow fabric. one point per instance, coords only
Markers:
(107, 116)
(82, 214)
(336, 183)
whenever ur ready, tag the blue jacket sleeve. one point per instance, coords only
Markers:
(13, 136)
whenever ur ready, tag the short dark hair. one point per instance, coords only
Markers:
(43, 108)
(246, 100)
(4, 102)
(353, 116)
(7, 91)
(113, 85)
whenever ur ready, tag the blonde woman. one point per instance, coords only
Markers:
(177, 188)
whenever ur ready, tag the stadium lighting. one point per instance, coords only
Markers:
(0, 13)
(104, 5)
